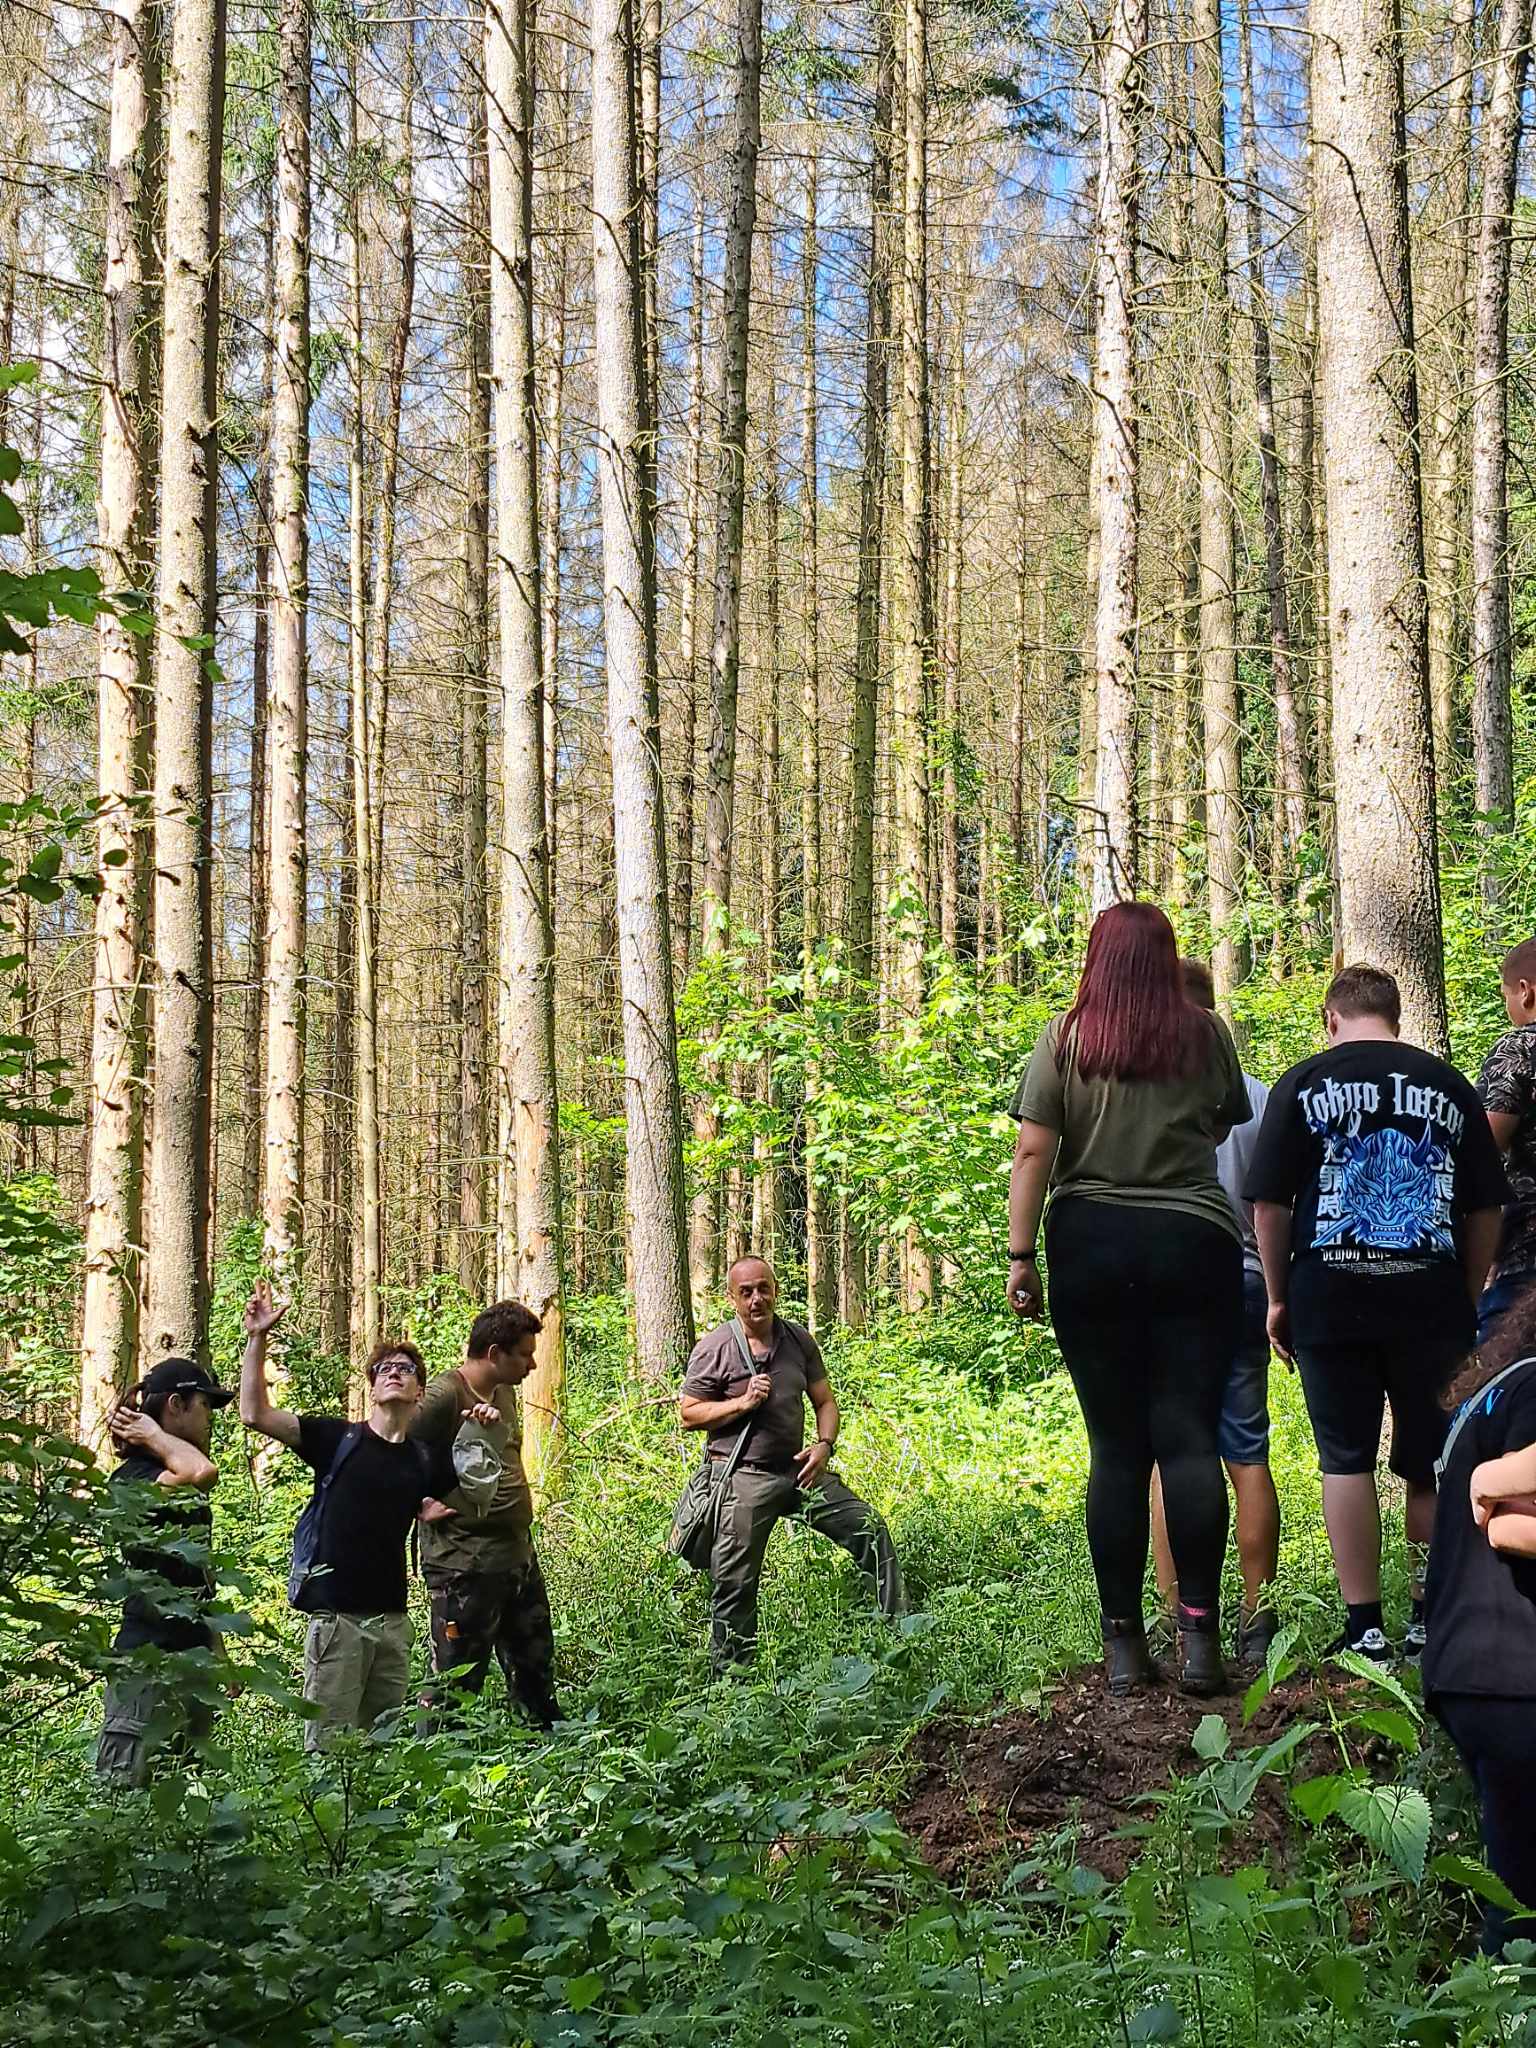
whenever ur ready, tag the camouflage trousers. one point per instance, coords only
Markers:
(502, 1614)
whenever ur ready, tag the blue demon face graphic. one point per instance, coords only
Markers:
(1385, 1191)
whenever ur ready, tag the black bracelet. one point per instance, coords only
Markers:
(1023, 1258)
(828, 1441)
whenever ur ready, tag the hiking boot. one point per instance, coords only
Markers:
(1127, 1662)
(1255, 1633)
(1200, 1666)
(1371, 1644)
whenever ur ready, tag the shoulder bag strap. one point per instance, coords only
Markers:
(1465, 1412)
(741, 1442)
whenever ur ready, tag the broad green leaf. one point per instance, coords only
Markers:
(1475, 1877)
(1393, 1819)
(1341, 1980)
(582, 1991)
(1393, 1724)
(1315, 1798)
(1212, 1738)
(1155, 2023)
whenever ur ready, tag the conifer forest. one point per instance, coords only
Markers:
(592, 601)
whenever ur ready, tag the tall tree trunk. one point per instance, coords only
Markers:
(473, 736)
(913, 650)
(527, 971)
(820, 1277)
(1446, 438)
(283, 1199)
(767, 1181)
(186, 625)
(1290, 779)
(1384, 778)
(254, 1114)
(1116, 455)
(339, 1149)
(115, 1190)
(1492, 655)
(862, 794)
(953, 640)
(653, 1114)
(1218, 564)
(370, 1208)
(725, 635)
(688, 597)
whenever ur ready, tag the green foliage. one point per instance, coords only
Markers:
(40, 1264)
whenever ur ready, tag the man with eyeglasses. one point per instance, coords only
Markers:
(162, 1431)
(756, 1373)
(371, 1484)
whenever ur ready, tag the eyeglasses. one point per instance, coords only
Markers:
(400, 1368)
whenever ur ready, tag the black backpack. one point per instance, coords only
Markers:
(307, 1530)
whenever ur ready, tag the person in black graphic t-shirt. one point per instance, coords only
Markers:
(1377, 1191)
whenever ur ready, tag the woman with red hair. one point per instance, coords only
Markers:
(1120, 1111)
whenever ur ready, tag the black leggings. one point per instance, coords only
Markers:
(1497, 1740)
(1147, 1305)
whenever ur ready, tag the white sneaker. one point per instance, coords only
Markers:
(1372, 1644)
(1414, 1640)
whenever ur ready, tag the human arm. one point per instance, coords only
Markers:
(1034, 1154)
(816, 1457)
(181, 1463)
(706, 1401)
(695, 1413)
(1479, 1246)
(1272, 1227)
(262, 1316)
(1503, 1126)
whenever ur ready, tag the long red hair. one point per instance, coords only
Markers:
(1132, 1020)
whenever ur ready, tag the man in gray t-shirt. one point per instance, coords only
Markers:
(1243, 1435)
(756, 1372)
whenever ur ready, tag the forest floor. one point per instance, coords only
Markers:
(989, 1792)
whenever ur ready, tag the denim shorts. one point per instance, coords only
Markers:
(1242, 1436)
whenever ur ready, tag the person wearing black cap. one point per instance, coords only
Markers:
(162, 1430)
(371, 1483)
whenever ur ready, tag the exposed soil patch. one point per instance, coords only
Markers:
(986, 1792)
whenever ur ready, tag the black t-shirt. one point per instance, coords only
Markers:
(1480, 1604)
(179, 1515)
(360, 1562)
(1381, 1150)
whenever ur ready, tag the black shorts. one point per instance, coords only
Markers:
(1346, 1386)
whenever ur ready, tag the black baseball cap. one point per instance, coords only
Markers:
(183, 1376)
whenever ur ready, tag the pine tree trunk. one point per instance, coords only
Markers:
(725, 635)
(1384, 780)
(954, 600)
(913, 650)
(688, 598)
(473, 735)
(283, 1180)
(862, 787)
(254, 1115)
(1218, 564)
(527, 1006)
(177, 1225)
(1446, 436)
(115, 1191)
(370, 1210)
(767, 1181)
(1116, 457)
(1290, 782)
(653, 1117)
(1492, 652)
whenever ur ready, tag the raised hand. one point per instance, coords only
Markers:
(262, 1313)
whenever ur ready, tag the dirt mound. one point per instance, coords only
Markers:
(986, 1792)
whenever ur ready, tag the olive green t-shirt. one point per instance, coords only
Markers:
(498, 1537)
(1138, 1142)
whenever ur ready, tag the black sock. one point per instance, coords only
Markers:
(1359, 1619)
(1418, 1608)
